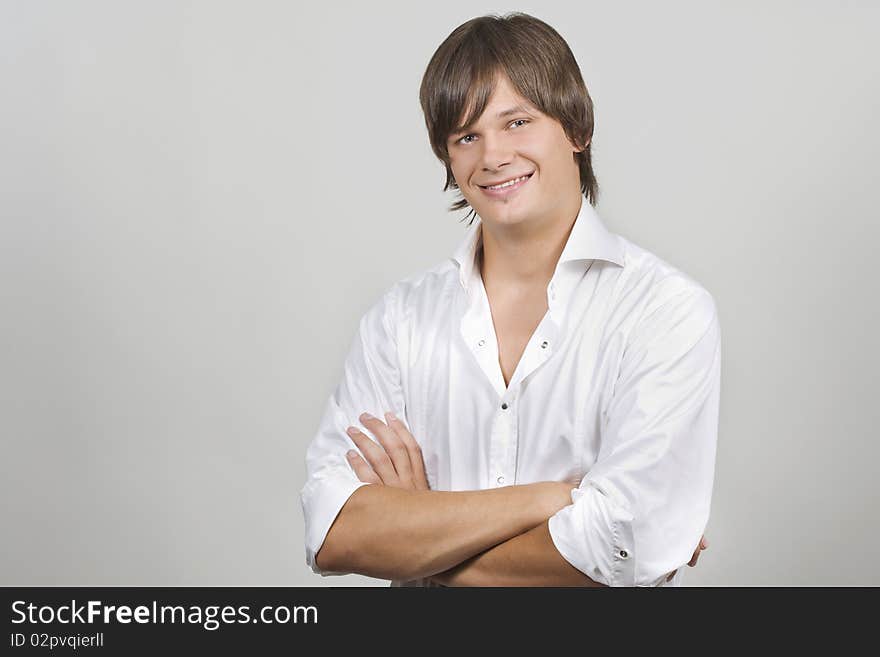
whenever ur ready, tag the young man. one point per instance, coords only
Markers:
(557, 386)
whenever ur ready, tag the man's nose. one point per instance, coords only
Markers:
(496, 153)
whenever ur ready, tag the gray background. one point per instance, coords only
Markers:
(199, 201)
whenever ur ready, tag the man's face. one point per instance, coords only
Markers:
(502, 148)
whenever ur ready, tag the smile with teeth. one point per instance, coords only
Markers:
(509, 183)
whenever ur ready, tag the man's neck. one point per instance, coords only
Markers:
(524, 257)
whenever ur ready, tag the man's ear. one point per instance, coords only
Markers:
(584, 147)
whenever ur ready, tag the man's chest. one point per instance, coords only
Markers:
(514, 320)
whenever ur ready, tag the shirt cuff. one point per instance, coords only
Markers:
(322, 498)
(595, 535)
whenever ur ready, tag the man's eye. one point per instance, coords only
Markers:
(462, 139)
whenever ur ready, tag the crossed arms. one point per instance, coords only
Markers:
(394, 533)
(497, 537)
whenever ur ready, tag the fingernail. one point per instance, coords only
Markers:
(350, 453)
(351, 431)
(367, 416)
(390, 416)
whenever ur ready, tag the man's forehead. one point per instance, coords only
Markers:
(505, 94)
(504, 102)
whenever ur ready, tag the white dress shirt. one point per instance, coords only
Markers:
(616, 392)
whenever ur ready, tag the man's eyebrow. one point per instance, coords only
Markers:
(512, 110)
(516, 109)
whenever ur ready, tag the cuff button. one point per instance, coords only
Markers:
(623, 554)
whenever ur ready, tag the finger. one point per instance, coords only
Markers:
(696, 554)
(671, 575)
(417, 461)
(375, 456)
(704, 542)
(393, 446)
(361, 468)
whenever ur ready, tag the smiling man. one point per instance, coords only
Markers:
(556, 387)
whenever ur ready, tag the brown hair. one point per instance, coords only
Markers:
(540, 66)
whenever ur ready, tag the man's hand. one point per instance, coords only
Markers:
(693, 562)
(397, 459)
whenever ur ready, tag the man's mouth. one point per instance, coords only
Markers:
(506, 187)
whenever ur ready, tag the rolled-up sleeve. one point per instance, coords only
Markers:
(370, 383)
(639, 512)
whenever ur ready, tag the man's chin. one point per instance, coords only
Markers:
(503, 216)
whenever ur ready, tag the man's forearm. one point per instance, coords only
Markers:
(528, 559)
(393, 533)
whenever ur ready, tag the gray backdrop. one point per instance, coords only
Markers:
(199, 200)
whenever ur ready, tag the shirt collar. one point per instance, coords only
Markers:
(589, 240)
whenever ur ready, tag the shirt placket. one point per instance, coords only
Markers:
(479, 332)
(503, 442)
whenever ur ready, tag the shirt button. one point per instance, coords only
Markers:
(623, 554)
(481, 343)
(504, 406)
(544, 344)
(500, 480)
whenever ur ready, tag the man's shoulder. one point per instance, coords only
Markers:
(427, 290)
(429, 284)
(657, 283)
